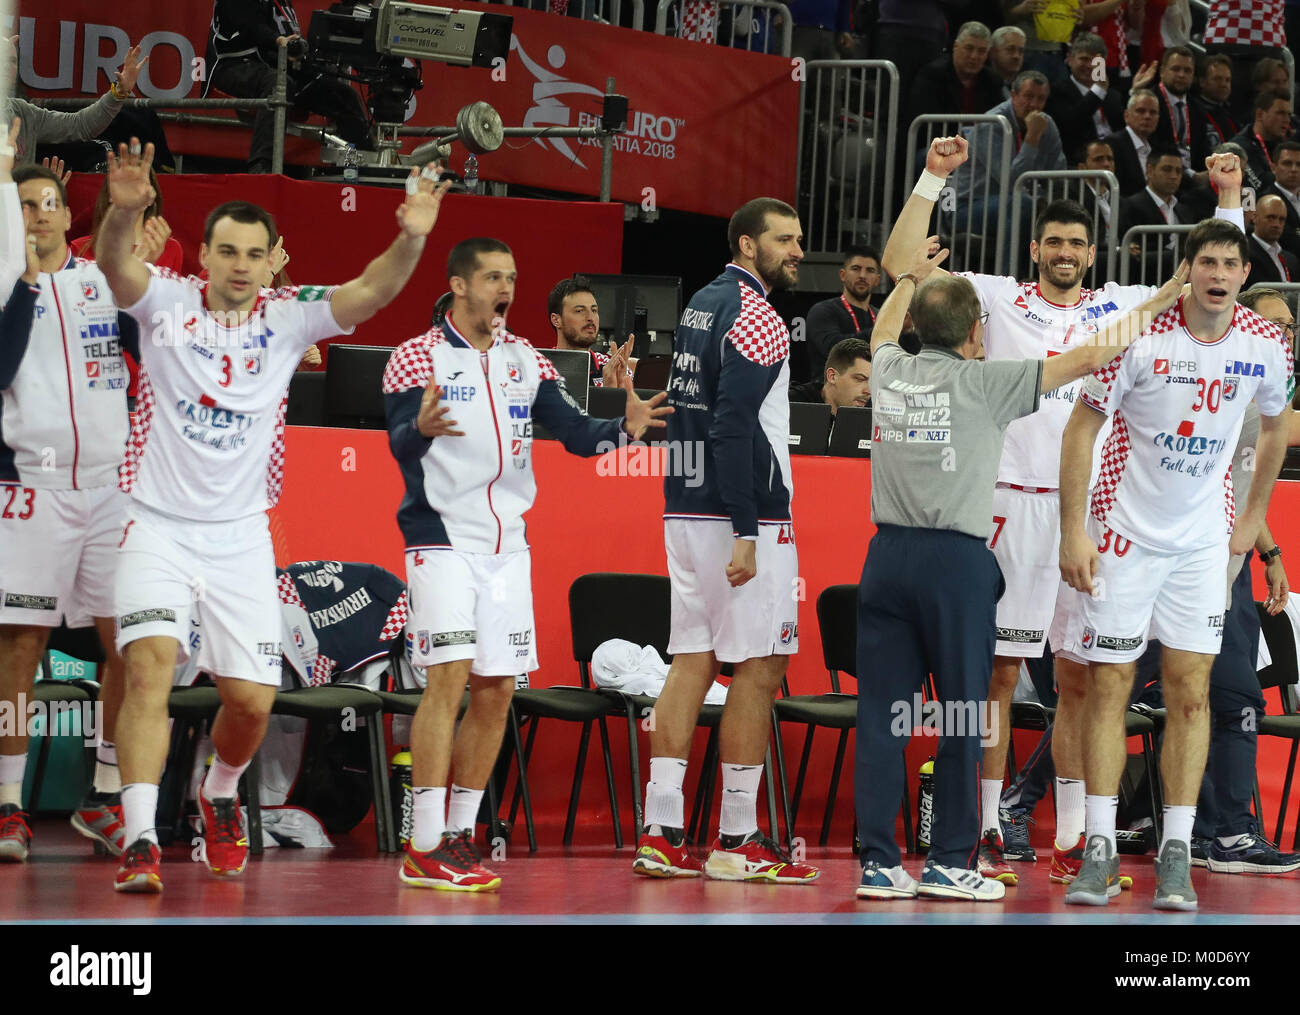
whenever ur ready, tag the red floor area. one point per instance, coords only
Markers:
(63, 882)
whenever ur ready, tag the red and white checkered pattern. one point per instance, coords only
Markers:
(1246, 23)
(1229, 500)
(699, 21)
(395, 624)
(141, 422)
(544, 365)
(288, 591)
(759, 334)
(1113, 30)
(275, 464)
(411, 364)
(1114, 459)
(321, 670)
(1253, 324)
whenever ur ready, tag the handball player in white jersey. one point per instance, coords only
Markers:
(1027, 320)
(204, 463)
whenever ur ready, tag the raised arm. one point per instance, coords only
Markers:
(1225, 174)
(913, 223)
(13, 238)
(384, 277)
(16, 319)
(1078, 555)
(926, 258)
(129, 192)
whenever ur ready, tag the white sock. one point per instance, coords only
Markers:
(140, 811)
(740, 799)
(1069, 812)
(1099, 817)
(108, 778)
(663, 793)
(428, 816)
(1228, 841)
(12, 767)
(462, 813)
(1178, 821)
(990, 795)
(222, 780)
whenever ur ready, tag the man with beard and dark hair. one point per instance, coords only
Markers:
(731, 551)
(575, 316)
(847, 314)
(1182, 123)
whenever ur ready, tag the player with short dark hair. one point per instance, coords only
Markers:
(575, 317)
(846, 315)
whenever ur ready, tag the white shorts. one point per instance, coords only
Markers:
(58, 552)
(1026, 541)
(476, 606)
(1176, 598)
(172, 569)
(761, 618)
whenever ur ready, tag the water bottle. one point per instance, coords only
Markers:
(399, 784)
(925, 806)
(471, 174)
(351, 164)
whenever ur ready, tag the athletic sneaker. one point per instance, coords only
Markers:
(662, 853)
(1066, 863)
(15, 834)
(1253, 854)
(991, 862)
(886, 883)
(1201, 850)
(1096, 881)
(1174, 877)
(756, 858)
(1015, 836)
(454, 865)
(100, 818)
(225, 844)
(140, 869)
(939, 882)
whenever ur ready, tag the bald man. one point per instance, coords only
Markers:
(1268, 261)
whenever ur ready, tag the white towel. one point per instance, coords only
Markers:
(637, 669)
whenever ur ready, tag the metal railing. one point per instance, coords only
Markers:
(965, 233)
(848, 122)
(609, 12)
(744, 19)
(1154, 264)
(1073, 185)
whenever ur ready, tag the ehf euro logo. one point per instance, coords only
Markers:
(90, 290)
(516, 375)
(252, 363)
(423, 642)
(788, 632)
(1089, 637)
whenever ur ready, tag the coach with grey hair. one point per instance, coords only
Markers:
(959, 82)
(940, 417)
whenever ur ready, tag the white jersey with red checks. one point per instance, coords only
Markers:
(208, 438)
(1023, 324)
(1246, 23)
(1177, 405)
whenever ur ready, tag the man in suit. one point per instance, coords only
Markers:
(1155, 205)
(1084, 107)
(1213, 88)
(959, 82)
(1272, 124)
(1132, 145)
(1286, 185)
(1181, 123)
(1269, 262)
(1007, 57)
(1097, 199)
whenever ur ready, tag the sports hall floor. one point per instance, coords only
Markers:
(64, 882)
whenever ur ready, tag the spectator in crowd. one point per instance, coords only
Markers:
(1246, 31)
(153, 244)
(845, 381)
(1269, 262)
(1132, 145)
(1270, 75)
(241, 60)
(959, 83)
(1155, 205)
(1036, 146)
(1045, 54)
(1272, 121)
(1007, 56)
(1098, 200)
(575, 316)
(1286, 185)
(1084, 107)
(911, 33)
(1113, 27)
(1180, 121)
(822, 30)
(47, 126)
(1164, 24)
(1213, 89)
(848, 314)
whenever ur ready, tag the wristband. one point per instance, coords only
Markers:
(1268, 556)
(929, 186)
(116, 91)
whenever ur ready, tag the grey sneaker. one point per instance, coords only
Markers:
(1098, 879)
(1174, 877)
(1015, 836)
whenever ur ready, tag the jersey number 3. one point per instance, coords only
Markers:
(224, 380)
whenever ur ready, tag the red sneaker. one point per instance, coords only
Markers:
(756, 859)
(658, 857)
(225, 844)
(991, 862)
(101, 820)
(15, 834)
(452, 866)
(141, 869)
(1066, 864)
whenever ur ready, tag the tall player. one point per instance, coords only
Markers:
(731, 550)
(1027, 320)
(1153, 550)
(204, 463)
